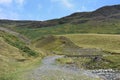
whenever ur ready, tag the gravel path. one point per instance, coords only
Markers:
(50, 71)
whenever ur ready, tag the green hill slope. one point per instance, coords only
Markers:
(109, 44)
(104, 42)
(56, 45)
(15, 56)
(105, 14)
(83, 44)
(15, 53)
(105, 20)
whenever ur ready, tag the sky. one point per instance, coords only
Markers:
(48, 9)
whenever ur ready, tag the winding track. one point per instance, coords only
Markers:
(50, 71)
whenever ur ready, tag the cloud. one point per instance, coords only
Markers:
(8, 14)
(4, 2)
(20, 2)
(10, 2)
(9, 8)
(82, 8)
(66, 3)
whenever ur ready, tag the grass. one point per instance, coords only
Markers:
(56, 45)
(15, 57)
(20, 71)
(14, 41)
(8, 65)
(96, 27)
(107, 62)
(13, 52)
(106, 42)
(64, 60)
(62, 45)
(102, 39)
(115, 60)
(69, 45)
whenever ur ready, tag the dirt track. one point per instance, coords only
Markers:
(50, 71)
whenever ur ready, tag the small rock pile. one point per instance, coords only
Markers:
(107, 74)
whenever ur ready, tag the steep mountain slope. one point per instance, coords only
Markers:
(106, 14)
(105, 20)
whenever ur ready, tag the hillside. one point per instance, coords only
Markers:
(83, 44)
(105, 20)
(104, 14)
(105, 42)
(15, 56)
(23, 44)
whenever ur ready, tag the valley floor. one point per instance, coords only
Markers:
(106, 45)
(50, 71)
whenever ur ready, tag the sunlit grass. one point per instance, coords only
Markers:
(105, 42)
(13, 61)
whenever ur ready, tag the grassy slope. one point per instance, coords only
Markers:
(13, 58)
(109, 43)
(99, 27)
(56, 45)
(105, 42)
(63, 45)
(70, 29)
